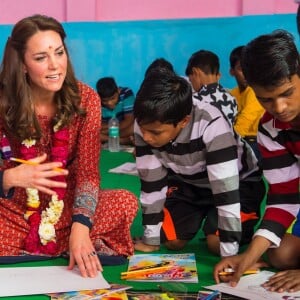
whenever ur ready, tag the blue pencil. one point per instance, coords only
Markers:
(212, 296)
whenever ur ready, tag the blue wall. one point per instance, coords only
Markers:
(125, 49)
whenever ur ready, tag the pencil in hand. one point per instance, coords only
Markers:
(230, 271)
(29, 162)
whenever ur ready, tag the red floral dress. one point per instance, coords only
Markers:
(110, 211)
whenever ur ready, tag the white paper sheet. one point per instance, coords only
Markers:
(43, 280)
(126, 168)
(249, 287)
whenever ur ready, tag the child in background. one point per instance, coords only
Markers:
(203, 71)
(162, 65)
(189, 165)
(249, 109)
(159, 65)
(116, 101)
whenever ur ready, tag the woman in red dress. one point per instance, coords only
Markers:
(54, 205)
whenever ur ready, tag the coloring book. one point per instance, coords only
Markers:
(162, 267)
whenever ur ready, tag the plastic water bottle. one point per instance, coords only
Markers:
(113, 135)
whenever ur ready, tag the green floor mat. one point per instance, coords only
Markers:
(205, 260)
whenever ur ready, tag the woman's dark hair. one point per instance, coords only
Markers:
(163, 97)
(270, 59)
(16, 107)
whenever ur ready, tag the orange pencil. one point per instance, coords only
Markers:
(29, 162)
(141, 272)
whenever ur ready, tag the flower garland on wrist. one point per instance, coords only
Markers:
(42, 237)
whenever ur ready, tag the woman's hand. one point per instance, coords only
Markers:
(82, 251)
(35, 176)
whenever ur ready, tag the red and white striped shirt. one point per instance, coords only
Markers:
(280, 148)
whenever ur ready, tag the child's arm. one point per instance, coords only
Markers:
(223, 174)
(153, 178)
(104, 132)
(126, 125)
(126, 129)
(242, 262)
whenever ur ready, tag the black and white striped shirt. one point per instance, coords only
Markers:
(205, 154)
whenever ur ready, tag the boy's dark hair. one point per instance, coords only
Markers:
(163, 97)
(205, 60)
(235, 56)
(106, 87)
(270, 59)
(161, 65)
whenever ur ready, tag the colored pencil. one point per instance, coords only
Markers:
(230, 272)
(29, 162)
(142, 272)
(202, 295)
(212, 296)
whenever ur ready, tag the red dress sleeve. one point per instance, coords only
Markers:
(87, 146)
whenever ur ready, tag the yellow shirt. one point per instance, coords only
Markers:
(249, 112)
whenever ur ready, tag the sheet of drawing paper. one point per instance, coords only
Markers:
(249, 287)
(44, 280)
(126, 168)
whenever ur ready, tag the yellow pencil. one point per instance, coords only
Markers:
(29, 162)
(224, 273)
(142, 272)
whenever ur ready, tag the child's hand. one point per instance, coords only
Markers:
(139, 245)
(284, 281)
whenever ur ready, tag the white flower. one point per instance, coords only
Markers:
(56, 205)
(54, 198)
(51, 215)
(32, 192)
(57, 126)
(46, 232)
(29, 142)
(33, 200)
(54, 211)
(48, 216)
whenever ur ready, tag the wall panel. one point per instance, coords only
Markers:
(126, 10)
(14, 10)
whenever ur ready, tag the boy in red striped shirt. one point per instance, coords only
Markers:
(271, 66)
